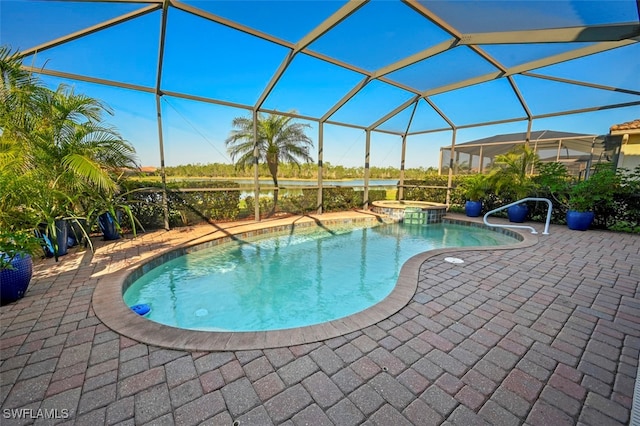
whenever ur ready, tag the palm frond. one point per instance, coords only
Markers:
(90, 171)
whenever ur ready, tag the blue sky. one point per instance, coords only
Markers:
(207, 59)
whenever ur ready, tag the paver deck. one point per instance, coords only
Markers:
(543, 334)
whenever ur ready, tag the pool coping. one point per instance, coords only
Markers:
(108, 303)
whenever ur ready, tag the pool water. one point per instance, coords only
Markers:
(291, 280)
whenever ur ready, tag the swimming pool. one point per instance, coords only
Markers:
(291, 279)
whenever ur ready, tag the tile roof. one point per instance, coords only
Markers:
(629, 125)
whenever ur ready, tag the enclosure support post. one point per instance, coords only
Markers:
(256, 170)
(402, 160)
(528, 139)
(559, 149)
(320, 165)
(404, 152)
(589, 163)
(163, 175)
(450, 180)
(367, 158)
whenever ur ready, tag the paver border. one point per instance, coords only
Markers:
(109, 307)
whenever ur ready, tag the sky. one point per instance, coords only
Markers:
(206, 59)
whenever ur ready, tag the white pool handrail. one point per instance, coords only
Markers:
(533, 230)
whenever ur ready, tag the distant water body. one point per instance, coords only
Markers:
(356, 183)
(288, 186)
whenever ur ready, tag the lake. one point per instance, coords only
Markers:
(356, 183)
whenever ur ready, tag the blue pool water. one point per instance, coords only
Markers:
(291, 279)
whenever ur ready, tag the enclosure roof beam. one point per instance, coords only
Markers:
(346, 98)
(425, 132)
(206, 100)
(95, 80)
(427, 13)
(320, 30)
(439, 112)
(394, 112)
(567, 56)
(590, 109)
(229, 23)
(417, 57)
(590, 33)
(92, 29)
(581, 83)
(518, 94)
(550, 60)
(340, 15)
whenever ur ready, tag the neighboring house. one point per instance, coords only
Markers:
(576, 150)
(629, 135)
(148, 170)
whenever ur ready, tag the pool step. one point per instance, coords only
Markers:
(415, 216)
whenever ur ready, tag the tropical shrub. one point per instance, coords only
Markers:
(432, 188)
(185, 207)
(56, 152)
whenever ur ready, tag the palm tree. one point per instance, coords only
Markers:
(78, 148)
(59, 133)
(20, 93)
(511, 171)
(56, 153)
(77, 158)
(279, 140)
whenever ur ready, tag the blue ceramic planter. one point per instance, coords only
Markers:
(518, 213)
(62, 236)
(14, 282)
(108, 226)
(579, 221)
(473, 208)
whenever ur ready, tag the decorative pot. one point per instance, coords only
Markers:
(14, 282)
(473, 208)
(62, 236)
(77, 230)
(108, 226)
(579, 221)
(518, 213)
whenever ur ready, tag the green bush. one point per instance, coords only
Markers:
(423, 189)
(185, 207)
(341, 198)
(375, 195)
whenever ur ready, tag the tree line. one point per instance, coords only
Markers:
(292, 171)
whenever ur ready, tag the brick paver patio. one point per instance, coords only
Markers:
(541, 335)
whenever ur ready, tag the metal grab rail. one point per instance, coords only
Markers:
(533, 231)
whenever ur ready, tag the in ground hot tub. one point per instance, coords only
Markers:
(424, 211)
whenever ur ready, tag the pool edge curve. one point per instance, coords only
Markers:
(109, 306)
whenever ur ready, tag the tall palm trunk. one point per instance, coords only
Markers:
(278, 140)
(272, 162)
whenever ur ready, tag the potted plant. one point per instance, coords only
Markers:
(590, 195)
(108, 212)
(511, 178)
(580, 214)
(54, 214)
(474, 189)
(16, 263)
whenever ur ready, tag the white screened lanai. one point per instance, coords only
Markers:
(380, 82)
